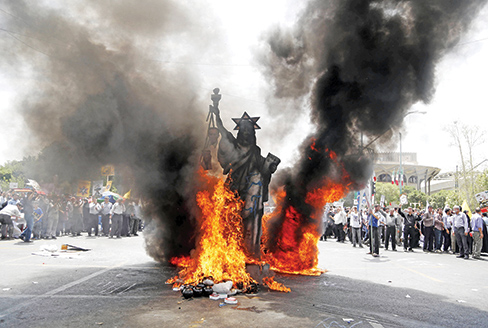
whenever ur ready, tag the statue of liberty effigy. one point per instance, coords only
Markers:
(248, 173)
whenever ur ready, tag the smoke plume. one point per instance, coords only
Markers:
(363, 64)
(98, 91)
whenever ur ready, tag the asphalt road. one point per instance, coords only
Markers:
(116, 284)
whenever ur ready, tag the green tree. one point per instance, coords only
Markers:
(482, 181)
(390, 191)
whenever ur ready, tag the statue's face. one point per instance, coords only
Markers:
(246, 134)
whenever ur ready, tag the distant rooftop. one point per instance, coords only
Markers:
(394, 157)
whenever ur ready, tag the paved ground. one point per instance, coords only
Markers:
(117, 285)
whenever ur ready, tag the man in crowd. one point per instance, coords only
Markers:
(52, 218)
(28, 205)
(14, 200)
(477, 233)
(94, 209)
(410, 223)
(461, 229)
(116, 215)
(438, 230)
(6, 215)
(375, 218)
(340, 219)
(428, 222)
(38, 214)
(448, 242)
(391, 227)
(106, 206)
(355, 223)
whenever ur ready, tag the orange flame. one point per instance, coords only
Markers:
(273, 285)
(219, 253)
(295, 248)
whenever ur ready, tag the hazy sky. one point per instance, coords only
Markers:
(460, 96)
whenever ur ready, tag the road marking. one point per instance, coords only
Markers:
(15, 308)
(419, 273)
(111, 296)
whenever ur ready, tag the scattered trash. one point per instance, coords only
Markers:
(250, 309)
(408, 296)
(49, 248)
(73, 248)
(118, 275)
(223, 287)
(222, 304)
(99, 323)
(35, 282)
(179, 302)
(216, 296)
(461, 301)
(208, 282)
(348, 320)
(7, 289)
(474, 290)
(389, 281)
(231, 300)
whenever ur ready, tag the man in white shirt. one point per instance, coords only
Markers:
(339, 220)
(106, 207)
(116, 215)
(355, 222)
(461, 229)
(6, 215)
(94, 210)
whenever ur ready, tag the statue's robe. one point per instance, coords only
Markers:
(247, 176)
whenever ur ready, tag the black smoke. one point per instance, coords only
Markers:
(361, 65)
(98, 89)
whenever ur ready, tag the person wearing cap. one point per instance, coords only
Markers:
(477, 233)
(461, 229)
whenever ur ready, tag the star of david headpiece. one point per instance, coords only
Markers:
(246, 117)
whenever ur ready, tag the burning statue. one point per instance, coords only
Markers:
(248, 173)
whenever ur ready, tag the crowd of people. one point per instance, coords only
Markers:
(37, 216)
(441, 231)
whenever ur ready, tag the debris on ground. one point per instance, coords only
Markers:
(408, 296)
(250, 309)
(348, 320)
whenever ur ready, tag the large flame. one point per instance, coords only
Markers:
(219, 253)
(293, 248)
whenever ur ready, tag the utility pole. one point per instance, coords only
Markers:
(401, 172)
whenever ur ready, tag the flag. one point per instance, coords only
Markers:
(83, 189)
(465, 207)
(107, 187)
(401, 178)
(97, 186)
(397, 177)
(127, 195)
(393, 178)
(108, 170)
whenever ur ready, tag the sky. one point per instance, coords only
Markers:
(460, 88)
